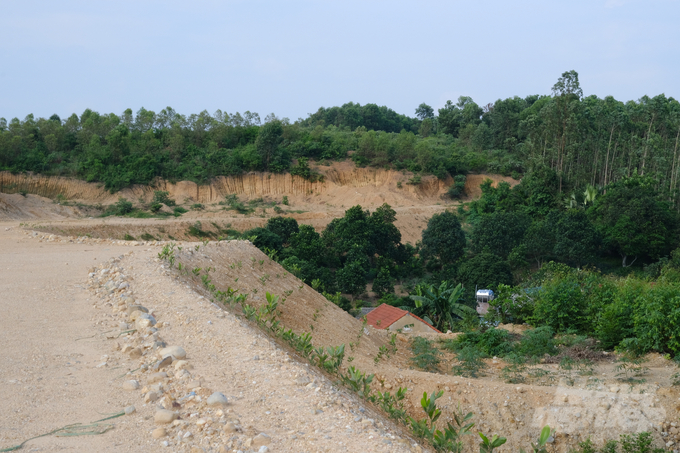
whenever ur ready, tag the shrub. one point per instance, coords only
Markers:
(561, 304)
(283, 226)
(265, 239)
(122, 206)
(614, 322)
(161, 196)
(457, 189)
(536, 343)
(470, 363)
(490, 343)
(425, 355)
(382, 284)
(485, 270)
(511, 304)
(155, 207)
(657, 320)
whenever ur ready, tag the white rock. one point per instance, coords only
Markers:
(217, 399)
(156, 377)
(130, 385)
(261, 439)
(130, 410)
(164, 416)
(175, 351)
(150, 397)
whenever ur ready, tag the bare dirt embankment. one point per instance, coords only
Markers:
(310, 203)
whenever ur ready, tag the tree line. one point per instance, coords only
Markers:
(585, 140)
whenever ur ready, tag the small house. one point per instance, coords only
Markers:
(484, 296)
(392, 318)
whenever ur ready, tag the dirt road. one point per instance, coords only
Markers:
(60, 368)
(51, 351)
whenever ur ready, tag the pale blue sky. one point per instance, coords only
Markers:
(291, 57)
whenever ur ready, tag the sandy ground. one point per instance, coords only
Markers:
(51, 348)
(66, 363)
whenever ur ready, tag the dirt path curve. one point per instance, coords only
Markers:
(49, 375)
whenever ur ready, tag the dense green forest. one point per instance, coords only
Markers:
(584, 140)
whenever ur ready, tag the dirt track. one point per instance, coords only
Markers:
(51, 350)
(61, 368)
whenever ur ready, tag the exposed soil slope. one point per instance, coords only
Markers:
(314, 204)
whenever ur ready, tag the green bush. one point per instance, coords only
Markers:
(265, 239)
(561, 304)
(657, 320)
(425, 355)
(614, 322)
(160, 196)
(511, 304)
(155, 207)
(122, 206)
(283, 226)
(457, 189)
(536, 343)
(490, 343)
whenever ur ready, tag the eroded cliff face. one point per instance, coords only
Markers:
(250, 185)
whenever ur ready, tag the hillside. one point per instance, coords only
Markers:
(312, 203)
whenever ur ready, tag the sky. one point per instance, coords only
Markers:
(292, 57)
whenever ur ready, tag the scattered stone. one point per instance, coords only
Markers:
(150, 397)
(156, 377)
(159, 433)
(130, 410)
(196, 383)
(197, 449)
(261, 439)
(164, 416)
(302, 380)
(166, 361)
(135, 353)
(229, 427)
(181, 364)
(217, 399)
(175, 351)
(131, 385)
(144, 321)
(263, 449)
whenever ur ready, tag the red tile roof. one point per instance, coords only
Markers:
(388, 315)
